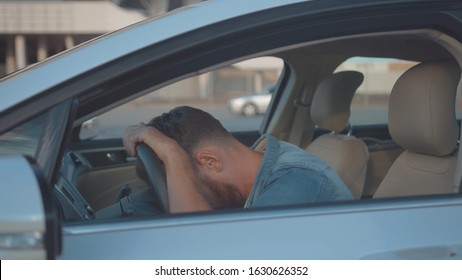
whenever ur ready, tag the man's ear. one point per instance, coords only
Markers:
(209, 160)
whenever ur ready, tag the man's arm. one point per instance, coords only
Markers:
(182, 192)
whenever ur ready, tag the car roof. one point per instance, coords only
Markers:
(38, 78)
(24, 84)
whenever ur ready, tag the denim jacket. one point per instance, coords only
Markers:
(290, 175)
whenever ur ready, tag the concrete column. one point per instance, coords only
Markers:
(204, 81)
(174, 4)
(69, 42)
(42, 48)
(20, 51)
(258, 81)
(158, 7)
(10, 65)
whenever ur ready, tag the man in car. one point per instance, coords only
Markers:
(207, 168)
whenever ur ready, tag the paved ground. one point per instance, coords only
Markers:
(113, 123)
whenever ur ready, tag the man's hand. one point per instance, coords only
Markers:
(156, 140)
(182, 192)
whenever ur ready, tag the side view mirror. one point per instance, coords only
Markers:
(29, 222)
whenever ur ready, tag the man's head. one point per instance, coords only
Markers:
(191, 128)
(208, 145)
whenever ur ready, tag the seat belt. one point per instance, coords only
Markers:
(301, 126)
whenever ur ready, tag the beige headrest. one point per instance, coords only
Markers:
(421, 115)
(330, 108)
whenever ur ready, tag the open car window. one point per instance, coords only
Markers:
(237, 95)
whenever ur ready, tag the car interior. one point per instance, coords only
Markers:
(414, 153)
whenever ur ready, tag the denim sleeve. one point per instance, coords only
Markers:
(294, 186)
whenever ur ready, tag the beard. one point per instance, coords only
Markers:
(221, 195)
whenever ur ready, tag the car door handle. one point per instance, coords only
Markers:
(420, 253)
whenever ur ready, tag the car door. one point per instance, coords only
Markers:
(341, 231)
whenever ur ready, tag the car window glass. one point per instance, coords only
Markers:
(237, 95)
(370, 103)
(23, 139)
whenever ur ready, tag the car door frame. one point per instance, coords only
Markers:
(322, 231)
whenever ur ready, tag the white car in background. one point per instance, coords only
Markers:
(55, 186)
(252, 104)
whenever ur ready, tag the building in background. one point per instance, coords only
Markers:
(154, 7)
(31, 31)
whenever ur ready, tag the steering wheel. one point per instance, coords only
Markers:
(155, 173)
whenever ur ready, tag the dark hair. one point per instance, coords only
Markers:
(190, 127)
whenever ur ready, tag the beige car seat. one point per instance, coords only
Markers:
(422, 120)
(330, 109)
